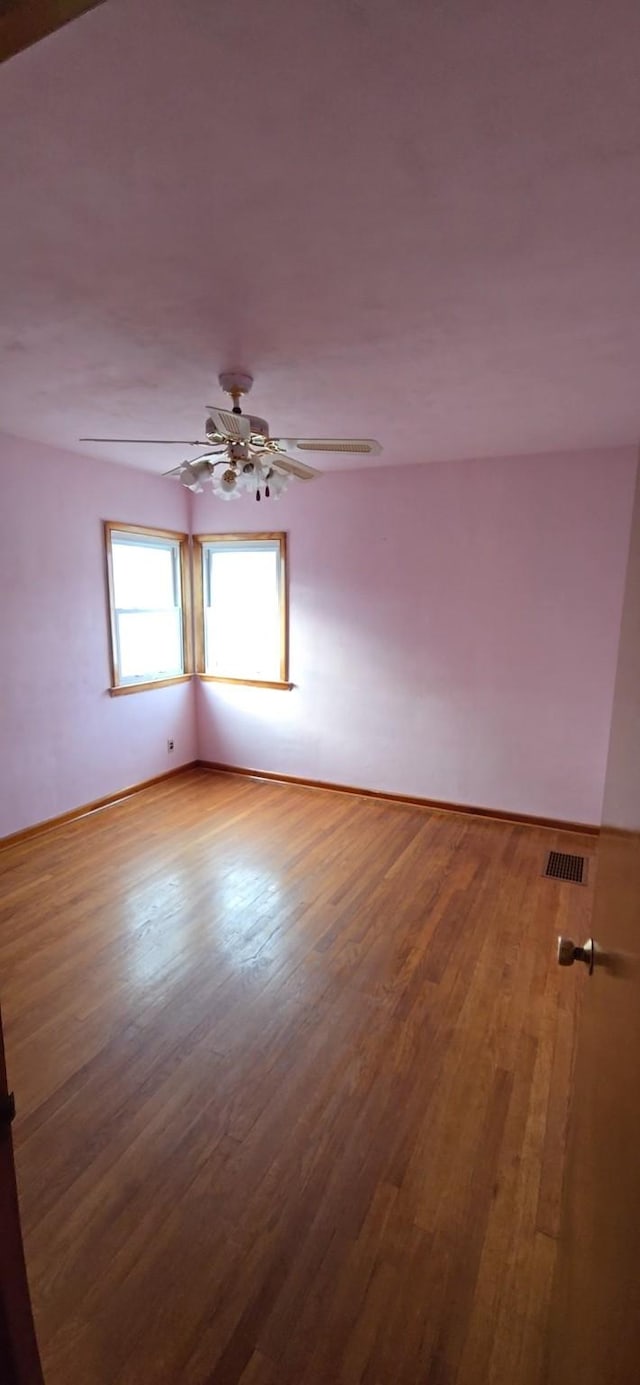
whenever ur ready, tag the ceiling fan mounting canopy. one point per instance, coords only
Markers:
(242, 446)
(235, 382)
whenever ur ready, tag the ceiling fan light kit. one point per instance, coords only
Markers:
(241, 457)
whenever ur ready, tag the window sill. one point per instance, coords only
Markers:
(122, 689)
(279, 684)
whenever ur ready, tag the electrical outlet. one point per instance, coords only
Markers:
(170, 746)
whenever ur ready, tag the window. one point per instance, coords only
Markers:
(242, 625)
(148, 593)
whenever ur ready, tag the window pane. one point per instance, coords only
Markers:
(243, 619)
(143, 576)
(150, 644)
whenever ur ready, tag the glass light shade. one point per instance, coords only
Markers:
(225, 486)
(192, 474)
(277, 484)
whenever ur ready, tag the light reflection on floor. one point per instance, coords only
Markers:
(238, 908)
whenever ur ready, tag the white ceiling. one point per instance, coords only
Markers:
(418, 221)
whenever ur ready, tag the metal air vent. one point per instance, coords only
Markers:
(562, 866)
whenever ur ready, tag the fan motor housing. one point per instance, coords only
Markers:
(258, 425)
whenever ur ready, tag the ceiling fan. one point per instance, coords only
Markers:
(240, 454)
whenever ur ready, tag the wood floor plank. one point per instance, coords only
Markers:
(292, 1071)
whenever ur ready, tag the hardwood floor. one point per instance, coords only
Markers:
(291, 1071)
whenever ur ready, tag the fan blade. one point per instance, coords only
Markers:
(155, 442)
(367, 447)
(235, 427)
(283, 463)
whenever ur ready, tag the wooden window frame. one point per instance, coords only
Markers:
(118, 688)
(200, 542)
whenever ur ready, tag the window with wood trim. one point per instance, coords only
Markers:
(242, 608)
(148, 584)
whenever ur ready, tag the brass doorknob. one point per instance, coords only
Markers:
(569, 952)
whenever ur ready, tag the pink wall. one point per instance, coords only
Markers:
(63, 740)
(453, 631)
